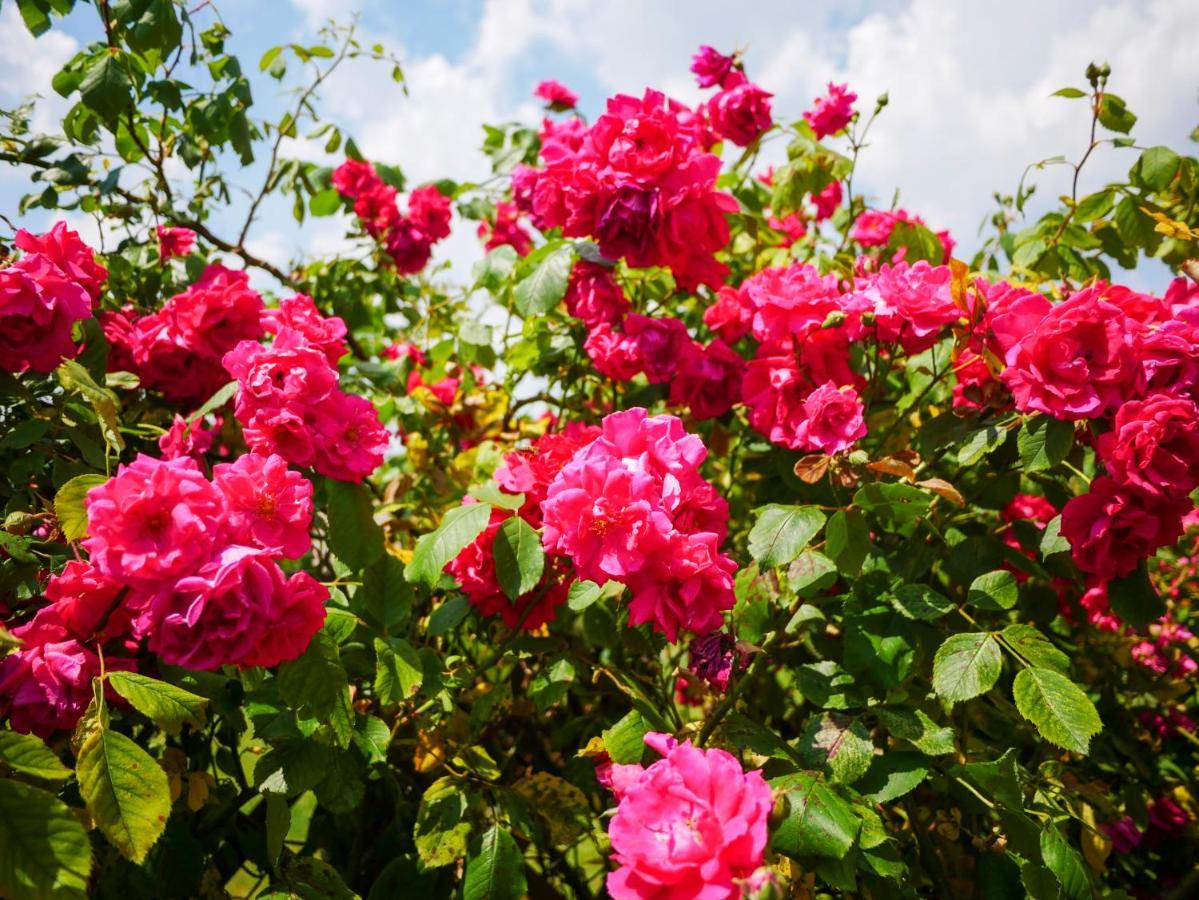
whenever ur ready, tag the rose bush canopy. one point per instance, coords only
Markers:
(729, 533)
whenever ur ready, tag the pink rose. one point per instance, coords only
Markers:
(299, 312)
(174, 241)
(83, 599)
(711, 67)
(594, 296)
(39, 305)
(269, 505)
(662, 343)
(557, 96)
(186, 439)
(795, 300)
(1153, 446)
(827, 201)
(66, 249)
(429, 208)
(741, 113)
(216, 313)
(832, 420)
(833, 112)
(708, 379)
(613, 353)
(46, 687)
(687, 586)
(153, 521)
(1076, 363)
(225, 614)
(730, 316)
(1111, 528)
(714, 813)
(914, 304)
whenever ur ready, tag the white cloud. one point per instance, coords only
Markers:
(27, 64)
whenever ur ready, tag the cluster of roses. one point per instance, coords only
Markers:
(529, 472)
(622, 345)
(189, 565)
(178, 350)
(624, 502)
(1129, 363)
(289, 400)
(639, 181)
(740, 110)
(43, 294)
(408, 239)
(874, 228)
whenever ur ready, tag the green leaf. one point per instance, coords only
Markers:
(781, 532)
(919, 601)
(74, 377)
(126, 792)
(44, 851)
(168, 706)
(543, 289)
(316, 679)
(219, 398)
(1070, 93)
(1134, 598)
(27, 754)
(1044, 442)
(495, 868)
(893, 504)
(1114, 115)
(372, 737)
(994, 591)
(966, 665)
(441, 824)
(811, 573)
(69, 505)
(1094, 206)
(1035, 647)
(385, 599)
(1052, 541)
(847, 541)
(493, 271)
(1066, 864)
(519, 559)
(278, 821)
(292, 767)
(1062, 713)
(36, 15)
(324, 203)
(582, 594)
(399, 673)
(980, 443)
(893, 774)
(625, 741)
(917, 728)
(1156, 168)
(434, 550)
(106, 85)
(353, 535)
(551, 683)
(448, 616)
(838, 745)
(815, 821)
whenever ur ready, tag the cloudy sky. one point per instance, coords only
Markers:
(969, 82)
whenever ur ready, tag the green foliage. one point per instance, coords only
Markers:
(125, 790)
(44, 851)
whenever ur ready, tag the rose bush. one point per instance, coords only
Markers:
(727, 535)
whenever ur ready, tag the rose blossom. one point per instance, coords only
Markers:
(1110, 529)
(45, 687)
(239, 609)
(174, 242)
(594, 296)
(1154, 445)
(187, 439)
(832, 112)
(39, 306)
(711, 67)
(613, 353)
(299, 312)
(153, 521)
(83, 599)
(269, 505)
(217, 312)
(708, 379)
(662, 343)
(556, 95)
(1076, 363)
(66, 250)
(730, 316)
(692, 824)
(741, 113)
(832, 419)
(827, 201)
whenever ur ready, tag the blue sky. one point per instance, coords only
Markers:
(969, 83)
